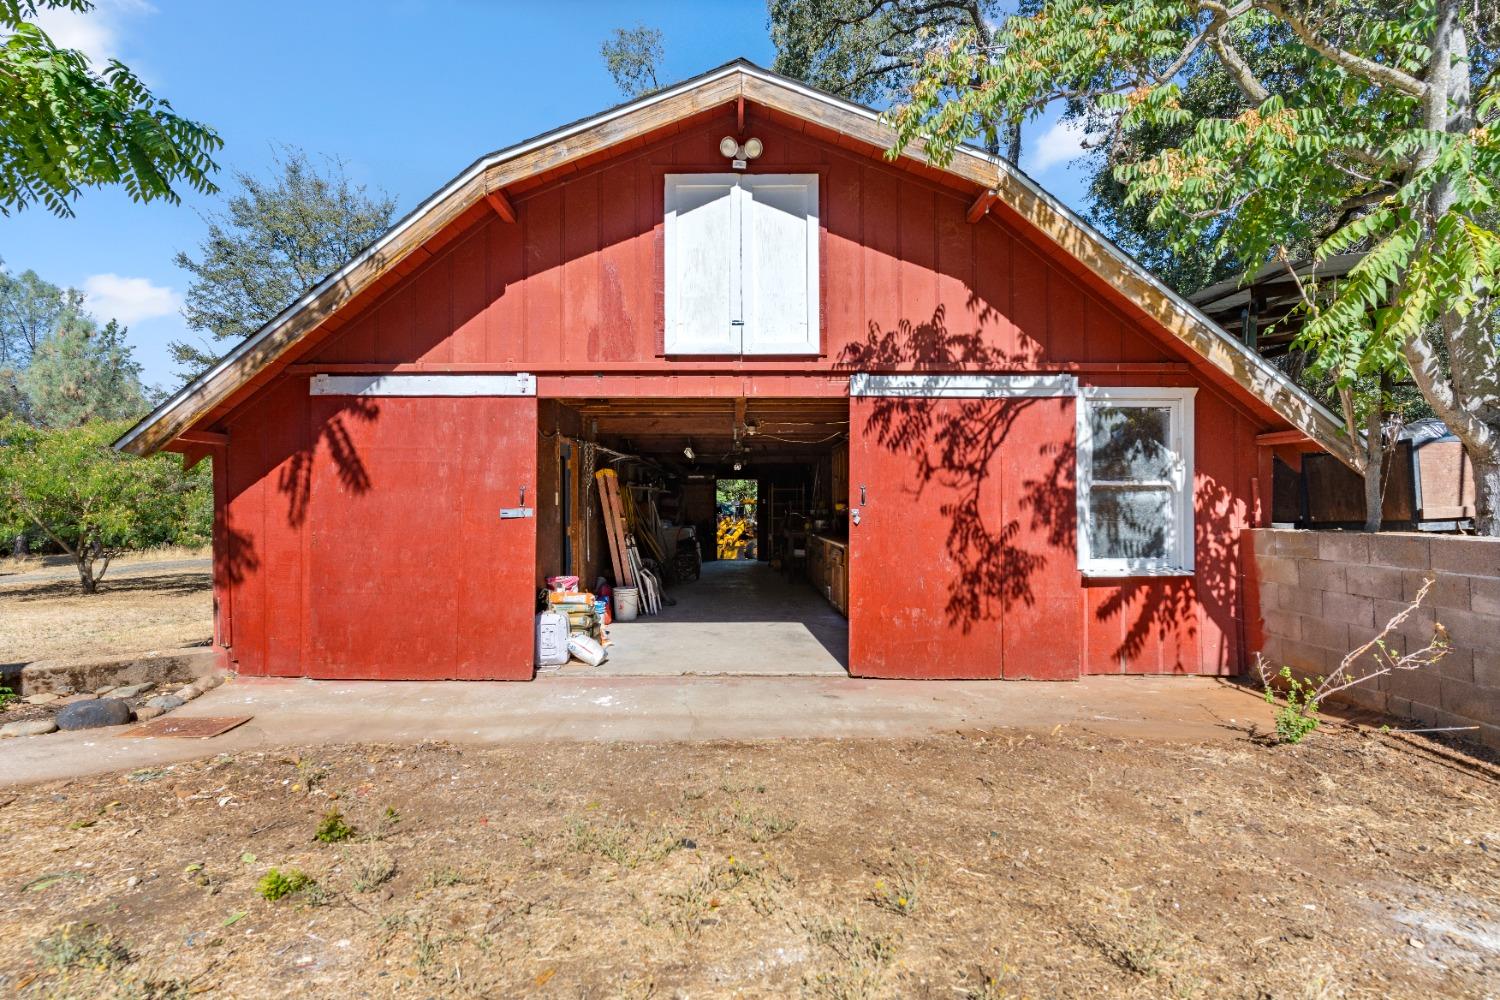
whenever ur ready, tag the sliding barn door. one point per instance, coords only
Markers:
(962, 563)
(412, 571)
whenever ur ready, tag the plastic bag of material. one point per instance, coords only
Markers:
(586, 649)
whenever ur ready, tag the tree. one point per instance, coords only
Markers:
(1352, 127)
(81, 373)
(67, 127)
(90, 500)
(871, 51)
(31, 308)
(280, 236)
(632, 56)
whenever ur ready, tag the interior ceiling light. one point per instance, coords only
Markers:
(688, 452)
(740, 154)
(738, 465)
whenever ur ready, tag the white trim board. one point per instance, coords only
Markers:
(520, 384)
(963, 386)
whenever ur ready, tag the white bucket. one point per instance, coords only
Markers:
(627, 603)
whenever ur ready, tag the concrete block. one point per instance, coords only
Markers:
(1465, 628)
(1484, 596)
(1314, 574)
(88, 673)
(1351, 609)
(1331, 635)
(1367, 696)
(1277, 569)
(1270, 596)
(1282, 623)
(1405, 550)
(1472, 556)
(1449, 590)
(1270, 649)
(1303, 544)
(1302, 602)
(1304, 658)
(1420, 687)
(1343, 547)
(1469, 701)
(1265, 541)
(1385, 582)
(1418, 624)
(1486, 670)
(1458, 665)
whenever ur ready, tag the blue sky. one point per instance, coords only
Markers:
(406, 93)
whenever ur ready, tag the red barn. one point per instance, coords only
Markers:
(1028, 457)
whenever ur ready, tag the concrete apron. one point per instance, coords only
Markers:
(290, 712)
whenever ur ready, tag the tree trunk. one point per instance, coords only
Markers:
(1374, 471)
(1467, 397)
(86, 578)
(1486, 494)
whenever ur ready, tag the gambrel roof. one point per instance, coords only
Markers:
(487, 177)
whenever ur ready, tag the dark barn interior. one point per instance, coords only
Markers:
(778, 608)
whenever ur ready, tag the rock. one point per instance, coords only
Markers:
(93, 714)
(187, 693)
(132, 690)
(28, 727)
(45, 698)
(209, 682)
(166, 702)
(74, 699)
(146, 713)
(132, 881)
(106, 689)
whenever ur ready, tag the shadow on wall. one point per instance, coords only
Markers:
(295, 479)
(997, 560)
(1002, 560)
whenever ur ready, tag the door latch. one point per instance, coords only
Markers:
(507, 513)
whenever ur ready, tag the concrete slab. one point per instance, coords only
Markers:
(651, 709)
(740, 618)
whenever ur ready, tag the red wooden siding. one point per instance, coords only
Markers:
(573, 290)
(365, 537)
(963, 564)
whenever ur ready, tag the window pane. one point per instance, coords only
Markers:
(1130, 523)
(1131, 443)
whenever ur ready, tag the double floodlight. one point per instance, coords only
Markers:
(740, 153)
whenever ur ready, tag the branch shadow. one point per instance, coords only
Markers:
(995, 566)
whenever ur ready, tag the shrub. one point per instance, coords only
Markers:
(276, 884)
(1296, 700)
(333, 829)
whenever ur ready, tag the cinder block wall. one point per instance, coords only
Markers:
(1322, 593)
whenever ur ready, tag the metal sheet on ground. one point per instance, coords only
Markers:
(201, 728)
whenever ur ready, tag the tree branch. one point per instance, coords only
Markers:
(1422, 359)
(1239, 70)
(1377, 73)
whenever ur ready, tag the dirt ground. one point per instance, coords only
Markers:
(974, 865)
(160, 607)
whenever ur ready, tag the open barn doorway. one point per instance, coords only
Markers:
(722, 521)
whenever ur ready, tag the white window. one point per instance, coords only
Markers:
(741, 264)
(1135, 481)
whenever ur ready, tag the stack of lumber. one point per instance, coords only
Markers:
(623, 553)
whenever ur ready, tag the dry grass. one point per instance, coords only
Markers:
(134, 611)
(963, 866)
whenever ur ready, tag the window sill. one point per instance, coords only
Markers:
(1107, 573)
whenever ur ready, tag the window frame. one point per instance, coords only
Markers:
(743, 339)
(1179, 560)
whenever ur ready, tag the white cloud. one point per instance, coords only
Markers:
(95, 33)
(129, 300)
(1061, 143)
